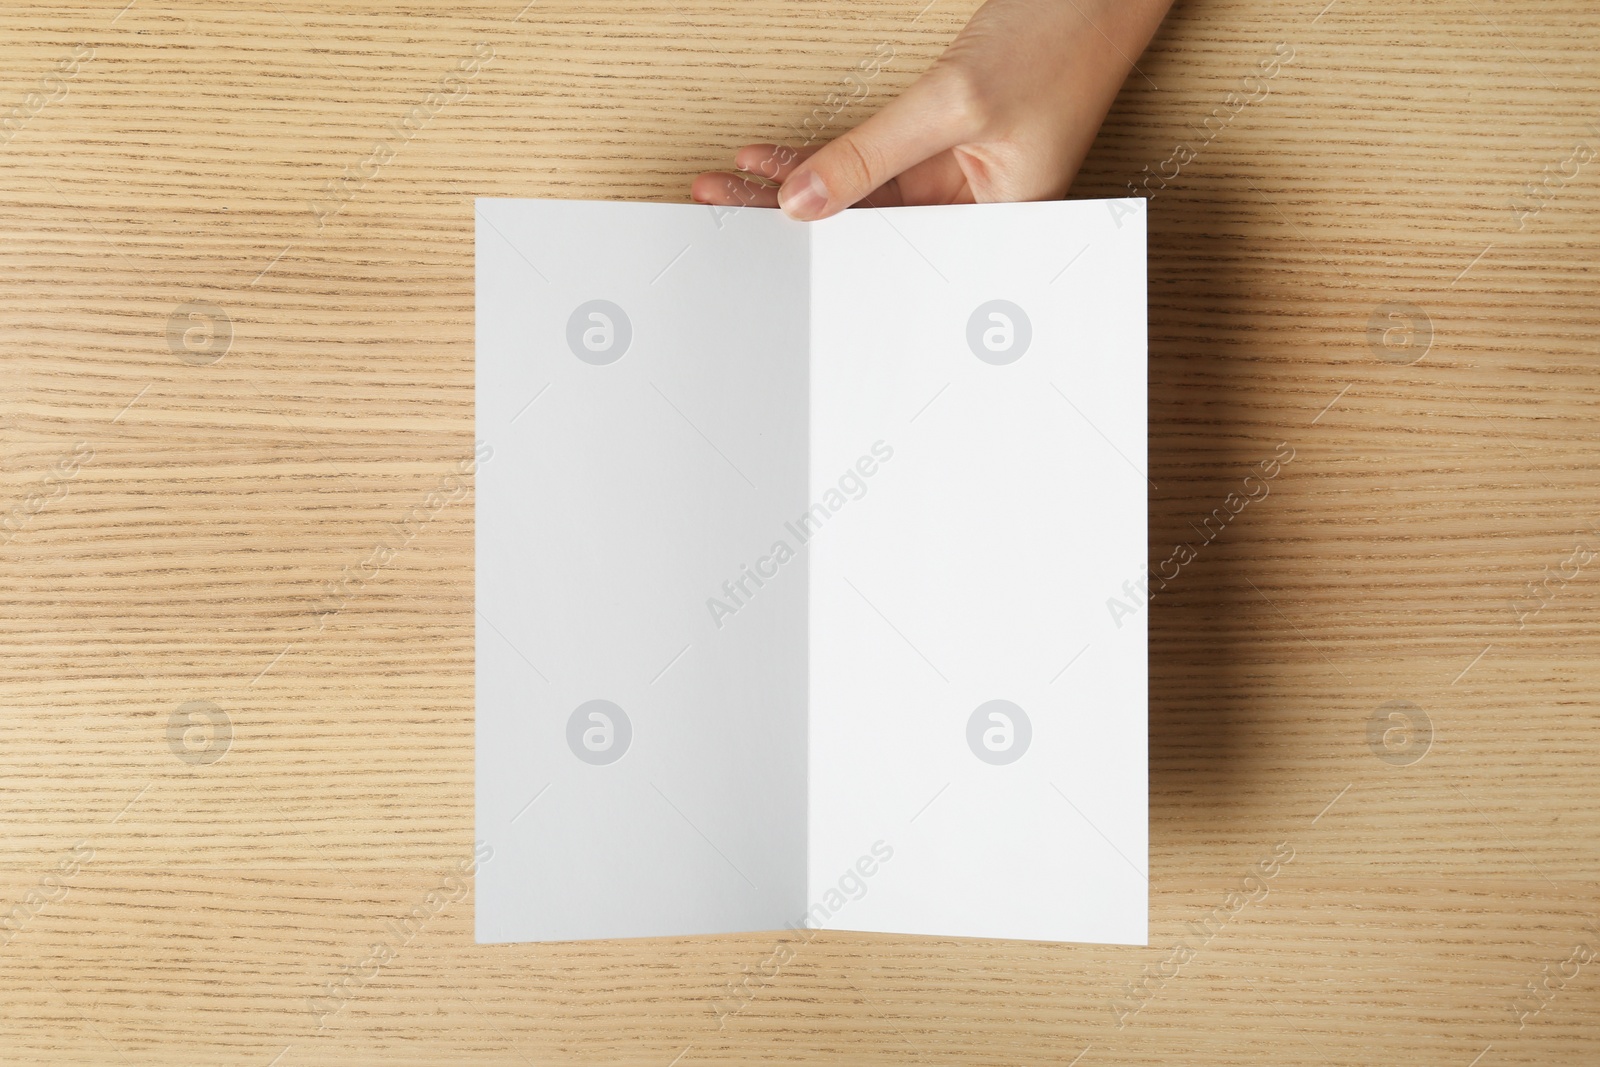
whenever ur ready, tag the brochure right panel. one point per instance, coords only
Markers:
(978, 487)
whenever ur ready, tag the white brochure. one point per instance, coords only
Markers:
(801, 554)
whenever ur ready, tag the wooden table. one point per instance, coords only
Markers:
(237, 355)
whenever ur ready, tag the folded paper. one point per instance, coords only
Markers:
(801, 565)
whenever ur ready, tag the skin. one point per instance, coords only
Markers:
(1008, 112)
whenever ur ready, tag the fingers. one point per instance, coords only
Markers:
(935, 114)
(733, 190)
(939, 180)
(774, 162)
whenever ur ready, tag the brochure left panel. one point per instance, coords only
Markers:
(641, 650)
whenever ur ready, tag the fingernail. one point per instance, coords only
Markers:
(803, 196)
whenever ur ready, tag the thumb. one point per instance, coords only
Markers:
(933, 115)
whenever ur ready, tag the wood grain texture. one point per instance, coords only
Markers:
(182, 519)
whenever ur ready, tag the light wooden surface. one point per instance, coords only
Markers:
(186, 518)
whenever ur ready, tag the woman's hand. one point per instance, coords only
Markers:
(1007, 113)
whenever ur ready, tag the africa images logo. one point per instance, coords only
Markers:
(599, 332)
(999, 732)
(999, 332)
(599, 732)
